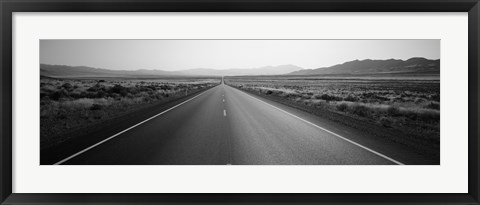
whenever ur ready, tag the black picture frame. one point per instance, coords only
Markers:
(7, 7)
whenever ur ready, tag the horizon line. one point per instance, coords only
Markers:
(290, 64)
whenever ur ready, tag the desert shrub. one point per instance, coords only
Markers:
(61, 114)
(368, 94)
(115, 96)
(134, 90)
(318, 103)
(405, 94)
(342, 107)
(96, 88)
(392, 111)
(147, 99)
(419, 100)
(435, 97)
(328, 97)
(81, 103)
(119, 89)
(385, 121)
(151, 87)
(158, 96)
(381, 98)
(101, 94)
(96, 107)
(398, 99)
(90, 94)
(286, 93)
(420, 114)
(150, 93)
(293, 95)
(360, 110)
(57, 95)
(432, 115)
(76, 94)
(129, 95)
(67, 86)
(93, 88)
(305, 96)
(351, 98)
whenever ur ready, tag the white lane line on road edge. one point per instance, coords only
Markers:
(98, 143)
(334, 134)
(224, 113)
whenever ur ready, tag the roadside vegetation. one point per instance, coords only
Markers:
(71, 104)
(408, 107)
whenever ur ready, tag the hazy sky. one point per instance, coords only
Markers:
(223, 54)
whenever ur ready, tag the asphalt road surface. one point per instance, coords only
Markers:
(226, 126)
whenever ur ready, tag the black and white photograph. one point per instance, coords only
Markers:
(239, 102)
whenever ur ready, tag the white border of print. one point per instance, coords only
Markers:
(449, 177)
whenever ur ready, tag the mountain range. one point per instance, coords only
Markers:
(392, 66)
(84, 71)
(267, 70)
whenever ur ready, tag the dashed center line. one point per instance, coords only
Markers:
(223, 100)
(224, 113)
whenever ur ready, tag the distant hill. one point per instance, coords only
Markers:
(267, 70)
(83, 71)
(412, 65)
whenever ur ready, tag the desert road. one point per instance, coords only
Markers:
(227, 126)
